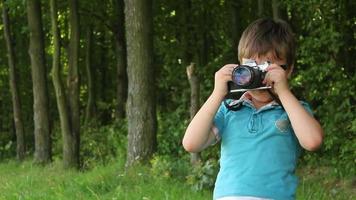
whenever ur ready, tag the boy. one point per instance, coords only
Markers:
(260, 141)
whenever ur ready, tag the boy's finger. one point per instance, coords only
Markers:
(228, 77)
(267, 76)
(230, 66)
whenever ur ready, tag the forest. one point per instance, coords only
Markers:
(114, 83)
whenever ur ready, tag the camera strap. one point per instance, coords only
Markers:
(237, 105)
(234, 106)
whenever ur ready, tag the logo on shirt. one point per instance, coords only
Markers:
(283, 125)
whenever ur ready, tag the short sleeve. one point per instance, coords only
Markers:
(219, 121)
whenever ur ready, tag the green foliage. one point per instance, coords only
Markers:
(171, 128)
(319, 183)
(203, 175)
(27, 181)
(165, 178)
(326, 77)
(7, 149)
(199, 32)
(169, 167)
(324, 72)
(103, 144)
(99, 144)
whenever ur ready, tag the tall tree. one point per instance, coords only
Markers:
(72, 159)
(275, 9)
(279, 10)
(19, 128)
(194, 102)
(60, 90)
(260, 8)
(121, 62)
(39, 82)
(235, 9)
(115, 24)
(188, 54)
(90, 109)
(141, 108)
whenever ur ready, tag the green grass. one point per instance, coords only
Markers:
(320, 183)
(28, 181)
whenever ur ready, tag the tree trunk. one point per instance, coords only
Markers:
(72, 157)
(19, 129)
(235, 24)
(260, 8)
(59, 87)
(90, 109)
(103, 66)
(121, 62)
(204, 50)
(187, 55)
(141, 108)
(39, 81)
(194, 102)
(275, 9)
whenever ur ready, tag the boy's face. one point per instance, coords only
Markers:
(262, 95)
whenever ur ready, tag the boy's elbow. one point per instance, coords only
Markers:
(315, 143)
(312, 146)
(189, 146)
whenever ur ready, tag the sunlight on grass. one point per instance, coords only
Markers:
(28, 181)
(321, 184)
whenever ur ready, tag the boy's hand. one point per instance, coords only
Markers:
(277, 78)
(223, 76)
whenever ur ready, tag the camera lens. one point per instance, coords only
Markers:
(241, 76)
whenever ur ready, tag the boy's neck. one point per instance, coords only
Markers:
(260, 104)
(257, 103)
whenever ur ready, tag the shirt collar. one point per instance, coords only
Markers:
(245, 99)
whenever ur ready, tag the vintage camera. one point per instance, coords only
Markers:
(248, 76)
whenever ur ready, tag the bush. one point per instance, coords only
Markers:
(325, 76)
(203, 175)
(7, 149)
(171, 128)
(167, 167)
(100, 145)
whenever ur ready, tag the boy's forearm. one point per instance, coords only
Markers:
(305, 126)
(197, 133)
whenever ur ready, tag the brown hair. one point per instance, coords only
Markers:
(265, 35)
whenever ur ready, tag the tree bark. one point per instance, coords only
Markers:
(61, 96)
(275, 9)
(121, 62)
(260, 8)
(90, 109)
(105, 115)
(194, 102)
(141, 108)
(72, 158)
(39, 81)
(187, 55)
(235, 24)
(19, 128)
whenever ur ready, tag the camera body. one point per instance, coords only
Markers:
(248, 76)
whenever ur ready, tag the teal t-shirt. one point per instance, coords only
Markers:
(259, 152)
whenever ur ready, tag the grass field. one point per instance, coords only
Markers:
(28, 181)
